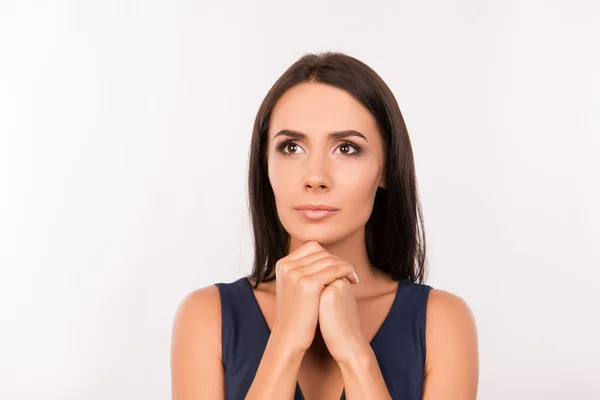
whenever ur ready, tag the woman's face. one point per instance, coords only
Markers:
(313, 167)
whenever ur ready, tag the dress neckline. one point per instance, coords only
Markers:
(385, 322)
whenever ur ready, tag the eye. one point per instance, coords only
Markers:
(288, 143)
(347, 148)
(349, 145)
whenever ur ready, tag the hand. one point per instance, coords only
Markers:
(301, 276)
(339, 321)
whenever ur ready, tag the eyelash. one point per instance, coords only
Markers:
(283, 145)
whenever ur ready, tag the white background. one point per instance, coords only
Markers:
(124, 136)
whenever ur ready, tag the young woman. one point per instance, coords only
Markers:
(333, 195)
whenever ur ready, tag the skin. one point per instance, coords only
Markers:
(321, 169)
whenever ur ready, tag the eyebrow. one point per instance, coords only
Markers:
(332, 135)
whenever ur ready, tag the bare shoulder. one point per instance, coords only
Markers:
(196, 369)
(199, 311)
(452, 360)
(448, 308)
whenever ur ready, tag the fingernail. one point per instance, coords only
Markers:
(356, 276)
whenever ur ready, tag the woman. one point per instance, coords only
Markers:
(333, 197)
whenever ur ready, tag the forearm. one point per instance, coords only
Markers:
(277, 372)
(362, 377)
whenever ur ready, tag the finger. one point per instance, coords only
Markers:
(285, 266)
(311, 258)
(338, 283)
(326, 275)
(307, 248)
(311, 249)
(325, 262)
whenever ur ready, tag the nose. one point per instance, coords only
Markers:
(317, 178)
(321, 187)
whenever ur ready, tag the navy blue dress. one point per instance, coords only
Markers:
(399, 344)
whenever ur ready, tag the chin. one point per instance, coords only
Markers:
(318, 233)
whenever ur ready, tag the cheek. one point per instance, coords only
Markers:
(360, 186)
(359, 193)
(280, 179)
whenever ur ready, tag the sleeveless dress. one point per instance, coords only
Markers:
(399, 344)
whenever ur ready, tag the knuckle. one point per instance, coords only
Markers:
(328, 260)
(293, 275)
(286, 266)
(278, 264)
(344, 268)
(306, 285)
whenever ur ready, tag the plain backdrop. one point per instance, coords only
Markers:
(124, 136)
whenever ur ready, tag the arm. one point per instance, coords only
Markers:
(277, 373)
(362, 376)
(196, 369)
(452, 360)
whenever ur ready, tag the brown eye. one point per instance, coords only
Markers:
(289, 147)
(292, 147)
(288, 144)
(347, 147)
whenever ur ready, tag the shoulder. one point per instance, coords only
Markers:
(451, 341)
(448, 309)
(450, 323)
(199, 312)
(196, 369)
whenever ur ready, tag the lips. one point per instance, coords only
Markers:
(316, 212)
(317, 207)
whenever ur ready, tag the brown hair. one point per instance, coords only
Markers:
(394, 233)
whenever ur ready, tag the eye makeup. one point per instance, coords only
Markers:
(284, 144)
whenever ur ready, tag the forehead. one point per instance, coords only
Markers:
(316, 108)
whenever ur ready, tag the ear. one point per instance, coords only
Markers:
(382, 183)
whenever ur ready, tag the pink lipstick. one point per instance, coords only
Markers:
(316, 212)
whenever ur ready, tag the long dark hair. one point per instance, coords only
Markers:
(394, 233)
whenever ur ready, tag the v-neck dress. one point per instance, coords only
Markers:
(399, 344)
